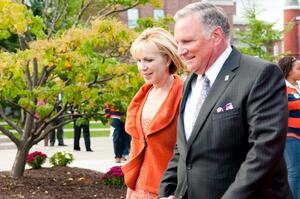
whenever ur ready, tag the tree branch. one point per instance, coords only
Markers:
(44, 74)
(119, 10)
(27, 75)
(4, 49)
(44, 12)
(82, 10)
(9, 134)
(107, 7)
(58, 14)
(45, 131)
(10, 122)
(29, 122)
(59, 113)
(42, 131)
(22, 42)
(93, 82)
(26, 111)
(35, 72)
(50, 113)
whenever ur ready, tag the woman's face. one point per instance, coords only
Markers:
(153, 66)
(294, 74)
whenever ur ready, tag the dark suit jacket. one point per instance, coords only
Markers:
(235, 154)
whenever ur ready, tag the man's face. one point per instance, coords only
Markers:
(194, 46)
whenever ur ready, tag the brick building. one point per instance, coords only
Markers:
(169, 9)
(291, 38)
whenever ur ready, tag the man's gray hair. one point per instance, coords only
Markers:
(209, 15)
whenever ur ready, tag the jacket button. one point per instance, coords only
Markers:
(189, 166)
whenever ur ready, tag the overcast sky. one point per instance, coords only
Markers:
(270, 10)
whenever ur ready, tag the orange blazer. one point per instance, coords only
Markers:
(155, 149)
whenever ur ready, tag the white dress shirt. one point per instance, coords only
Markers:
(196, 87)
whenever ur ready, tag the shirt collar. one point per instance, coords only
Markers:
(288, 84)
(214, 70)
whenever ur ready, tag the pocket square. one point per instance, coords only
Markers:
(220, 109)
(227, 107)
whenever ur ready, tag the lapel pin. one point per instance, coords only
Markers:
(226, 78)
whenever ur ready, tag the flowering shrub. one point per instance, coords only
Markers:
(114, 176)
(61, 158)
(36, 159)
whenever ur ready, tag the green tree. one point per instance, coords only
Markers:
(58, 15)
(62, 14)
(147, 22)
(15, 21)
(258, 37)
(87, 64)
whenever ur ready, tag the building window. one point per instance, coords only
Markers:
(158, 13)
(132, 15)
(276, 50)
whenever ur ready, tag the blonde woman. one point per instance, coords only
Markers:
(152, 114)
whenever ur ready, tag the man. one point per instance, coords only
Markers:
(85, 126)
(60, 133)
(232, 146)
(60, 129)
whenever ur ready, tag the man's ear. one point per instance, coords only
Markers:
(218, 35)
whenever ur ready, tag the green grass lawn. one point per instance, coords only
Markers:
(92, 125)
(70, 134)
(93, 133)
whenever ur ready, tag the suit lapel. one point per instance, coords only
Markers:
(223, 79)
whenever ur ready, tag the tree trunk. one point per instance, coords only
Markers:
(20, 161)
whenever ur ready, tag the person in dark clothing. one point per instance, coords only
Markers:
(121, 140)
(60, 133)
(118, 138)
(59, 130)
(77, 132)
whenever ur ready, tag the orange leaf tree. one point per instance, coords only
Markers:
(90, 65)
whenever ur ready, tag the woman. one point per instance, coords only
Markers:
(291, 69)
(152, 114)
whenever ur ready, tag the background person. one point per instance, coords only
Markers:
(118, 133)
(85, 126)
(59, 131)
(291, 70)
(152, 114)
(232, 118)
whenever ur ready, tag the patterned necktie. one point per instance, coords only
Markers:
(204, 82)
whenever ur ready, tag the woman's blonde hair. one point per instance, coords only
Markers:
(163, 40)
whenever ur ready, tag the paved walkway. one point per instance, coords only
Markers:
(100, 160)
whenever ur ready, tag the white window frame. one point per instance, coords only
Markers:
(158, 13)
(132, 16)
